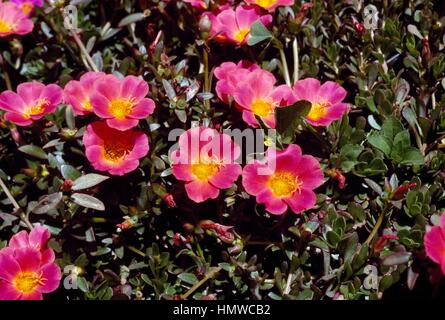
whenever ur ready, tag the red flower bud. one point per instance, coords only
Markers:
(359, 28)
(401, 190)
(168, 198)
(382, 241)
(66, 186)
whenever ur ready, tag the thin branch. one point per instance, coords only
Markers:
(378, 224)
(285, 67)
(15, 205)
(5, 73)
(208, 276)
(81, 46)
(296, 60)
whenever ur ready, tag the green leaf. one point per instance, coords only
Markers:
(396, 258)
(88, 201)
(380, 142)
(189, 278)
(288, 118)
(349, 154)
(132, 18)
(88, 181)
(47, 203)
(413, 156)
(258, 33)
(69, 172)
(34, 151)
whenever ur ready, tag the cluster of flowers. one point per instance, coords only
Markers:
(111, 144)
(15, 16)
(27, 267)
(229, 24)
(206, 161)
(254, 92)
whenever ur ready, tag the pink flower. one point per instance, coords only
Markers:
(235, 24)
(27, 6)
(271, 5)
(258, 96)
(121, 102)
(435, 243)
(205, 160)
(326, 100)
(32, 101)
(13, 20)
(230, 76)
(199, 4)
(115, 151)
(38, 239)
(78, 93)
(24, 276)
(286, 178)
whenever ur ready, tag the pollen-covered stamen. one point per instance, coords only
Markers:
(115, 151)
(27, 7)
(37, 109)
(87, 105)
(26, 282)
(318, 110)
(241, 34)
(204, 170)
(5, 27)
(263, 107)
(266, 3)
(121, 107)
(283, 184)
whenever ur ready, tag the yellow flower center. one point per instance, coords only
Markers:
(262, 108)
(26, 282)
(116, 151)
(87, 105)
(266, 3)
(5, 27)
(204, 170)
(26, 7)
(241, 34)
(36, 109)
(318, 110)
(283, 184)
(120, 107)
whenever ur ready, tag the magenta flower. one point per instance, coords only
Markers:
(27, 6)
(37, 238)
(24, 276)
(199, 4)
(326, 100)
(235, 25)
(286, 178)
(32, 101)
(271, 5)
(258, 96)
(435, 243)
(78, 93)
(230, 76)
(115, 151)
(13, 20)
(205, 160)
(121, 102)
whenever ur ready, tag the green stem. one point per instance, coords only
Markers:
(205, 56)
(285, 67)
(82, 48)
(208, 276)
(377, 224)
(137, 251)
(16, 206)
(296, 60)
(5, 74)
